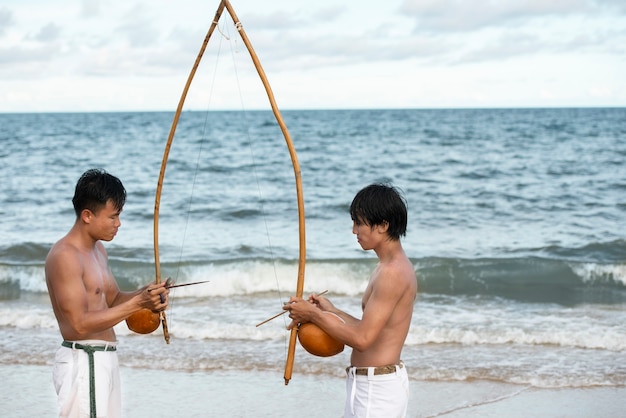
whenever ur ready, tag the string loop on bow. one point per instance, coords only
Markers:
(292, 153)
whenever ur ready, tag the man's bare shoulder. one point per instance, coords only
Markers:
(394, 280)
(63, 254)
(400, 268)
(62, 248)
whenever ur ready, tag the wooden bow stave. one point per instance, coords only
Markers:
(298, 178)
(168, 145)
(292, 153)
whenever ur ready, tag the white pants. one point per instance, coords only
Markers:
(377, 396)
(71, 381)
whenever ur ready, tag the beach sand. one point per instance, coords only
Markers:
(28, 392)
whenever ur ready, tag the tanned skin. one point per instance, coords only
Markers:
(85, 297)
(378, 337)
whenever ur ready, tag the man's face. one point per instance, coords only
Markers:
(105, 223)
(363, 232)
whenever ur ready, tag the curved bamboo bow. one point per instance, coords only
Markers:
(294, 160)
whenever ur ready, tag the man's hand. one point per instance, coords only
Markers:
(321, 302)
(300, 311)
(155, 297)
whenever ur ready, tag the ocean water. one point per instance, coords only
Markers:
(515, 231)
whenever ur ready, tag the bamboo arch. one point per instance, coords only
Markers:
(294, 160)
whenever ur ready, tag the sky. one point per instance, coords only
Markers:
(135, 55)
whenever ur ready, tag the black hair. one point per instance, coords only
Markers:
(95, 188)
(379, 203)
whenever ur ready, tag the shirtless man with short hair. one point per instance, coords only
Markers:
(87, 301)
(377, 382)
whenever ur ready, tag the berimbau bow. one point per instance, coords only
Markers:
(294, 160)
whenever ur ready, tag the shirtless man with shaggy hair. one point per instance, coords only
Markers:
(377, 382)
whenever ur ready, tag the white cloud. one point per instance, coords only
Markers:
(6, 19)
(469, 15)
(90, 8)
(115, 55)
(48, 33)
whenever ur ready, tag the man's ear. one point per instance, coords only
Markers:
(383, 227)
(86, 215)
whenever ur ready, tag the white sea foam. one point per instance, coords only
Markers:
(591, 272)
(252, 277)
(29, 278)
(486, 221)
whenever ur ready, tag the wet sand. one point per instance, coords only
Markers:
(28, 392)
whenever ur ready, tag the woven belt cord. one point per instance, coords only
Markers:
(92, 378)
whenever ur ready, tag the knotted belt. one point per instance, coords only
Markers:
(367, 371)
(90, 349)
(364, 371)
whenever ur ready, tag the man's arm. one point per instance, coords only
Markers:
(116, 297)
(358, 334)
(327, 306)
(79, 314)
